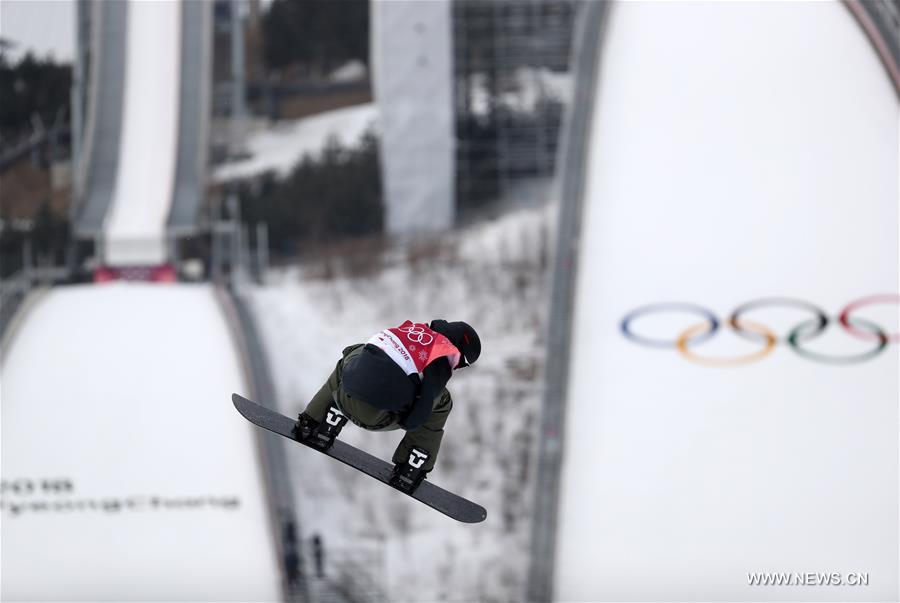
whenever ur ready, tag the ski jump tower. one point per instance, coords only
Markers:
(142, 94)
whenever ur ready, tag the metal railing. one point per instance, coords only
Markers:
(880, 20)
(99, 152)
(279, 490)
(193, 117)
(16, 287)
(349, 576)
(12, 292)
(573, 157)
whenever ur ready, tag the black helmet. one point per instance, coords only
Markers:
(463, 336)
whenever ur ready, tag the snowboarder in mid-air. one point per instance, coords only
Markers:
(396, 380)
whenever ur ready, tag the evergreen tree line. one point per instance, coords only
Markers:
(28, 87)
(316, 35)
(48, 234)
(337, 195)
(327, 198)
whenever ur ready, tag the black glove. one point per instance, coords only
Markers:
(415, 415)
(305, 426)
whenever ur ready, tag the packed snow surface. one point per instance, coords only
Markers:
(377, 540)
(762, 169)
(279, 147)
(127, 472)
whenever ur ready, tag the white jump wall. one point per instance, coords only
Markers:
(123, 392)
(739, 151)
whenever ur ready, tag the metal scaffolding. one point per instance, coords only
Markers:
(511, 59)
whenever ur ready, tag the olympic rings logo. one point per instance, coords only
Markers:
(417, 335)
(796, 338)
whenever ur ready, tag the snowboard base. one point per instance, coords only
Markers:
(448, 503)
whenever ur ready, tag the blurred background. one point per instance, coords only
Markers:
(674, 226)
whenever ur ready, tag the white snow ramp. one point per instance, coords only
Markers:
(135, 229)
(127, 473)
(740, 151)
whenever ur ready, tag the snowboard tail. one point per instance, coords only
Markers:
(437, 498)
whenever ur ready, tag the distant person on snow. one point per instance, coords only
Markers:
(396, 380)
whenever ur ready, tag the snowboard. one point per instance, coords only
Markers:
(448, 503)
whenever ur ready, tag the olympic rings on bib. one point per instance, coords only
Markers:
(797, 338)
(417, 335)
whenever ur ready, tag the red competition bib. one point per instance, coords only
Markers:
(413, 346)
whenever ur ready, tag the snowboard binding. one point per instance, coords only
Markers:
(407, 476)
(320, 435)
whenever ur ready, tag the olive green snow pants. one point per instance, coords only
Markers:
(427, 437)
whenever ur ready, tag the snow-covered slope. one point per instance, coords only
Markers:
(282, 145)
(490, 275)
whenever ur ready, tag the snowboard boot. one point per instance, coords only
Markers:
(407, 476)
(327, 431)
